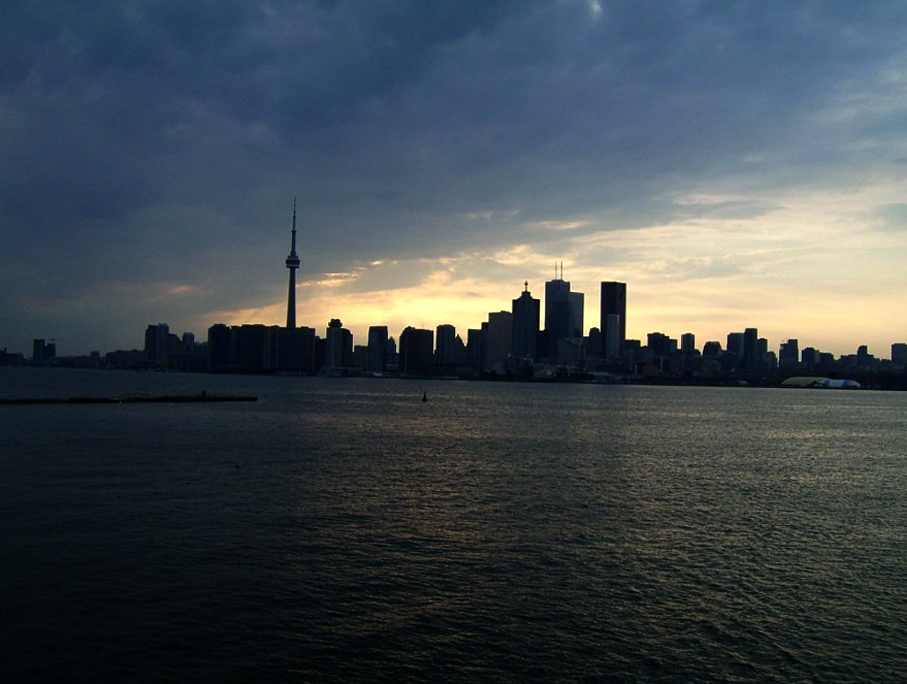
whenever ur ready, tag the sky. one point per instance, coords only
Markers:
(737, 164)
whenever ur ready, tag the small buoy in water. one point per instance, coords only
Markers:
(424, 396)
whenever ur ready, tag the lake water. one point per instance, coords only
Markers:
(342, 530)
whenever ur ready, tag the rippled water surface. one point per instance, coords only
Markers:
(344, 530)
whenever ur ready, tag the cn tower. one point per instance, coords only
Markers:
(292, 264)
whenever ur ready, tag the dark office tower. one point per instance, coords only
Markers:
(711, 349)
(292, 264)
(37, 351)
(153, 344)
(391, 355)
(498, 337)
(789, 353)
(735, 344)
(659, 343)
(688, 344)
(253, 349)
(809, 357)
(592, 343)
(339, 346)
(156, 343)
(526, 311)
(557, 294)
(377, 348)
(475, 348)
(899, 354)
(560, 322)
(219, 360)
(460, 351)
(416, 347)
(578, 309)
(864, 358)
(446, 345)
(360, 357)
(43, 352)
(750, 355)
(614, 303)
(293, 350)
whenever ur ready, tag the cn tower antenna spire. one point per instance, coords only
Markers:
(292, 264)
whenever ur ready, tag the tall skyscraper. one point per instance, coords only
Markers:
(660, 344)
(475, 348)
(578, 309)
(614, 303)
(158, 344)
(416, 351)
(711, 349)
(809, 358)
(292, 264)
(526, 311)
(558, 317)
(220, 337)
(339, 347)
(735, 344)
(750, 353)
(789, 353)
(561, 306)
(446, 345)
(377, 348)
(499, 338)
(293, 349)
(43, 352)
(899, 354)
(688, 344)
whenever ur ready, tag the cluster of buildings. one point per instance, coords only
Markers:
(510, 344)
(517, 343)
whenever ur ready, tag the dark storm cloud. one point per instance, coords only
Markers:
(151, 141)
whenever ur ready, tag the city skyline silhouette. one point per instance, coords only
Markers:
(529, 341)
